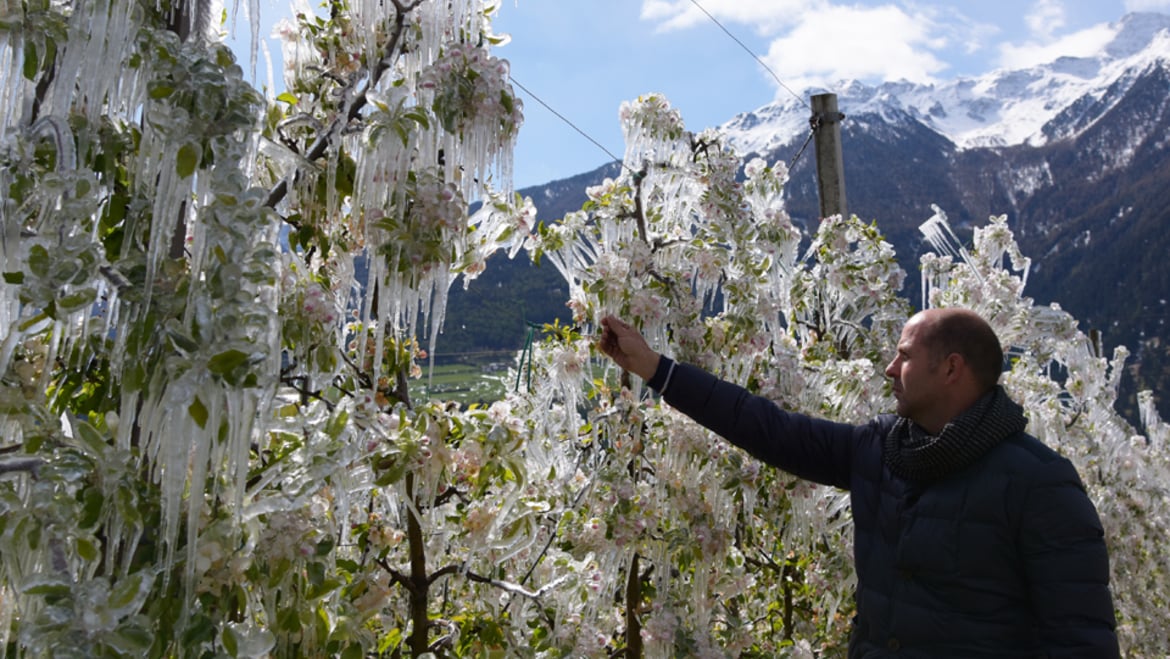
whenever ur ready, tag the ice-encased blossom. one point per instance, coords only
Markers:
(472, 93)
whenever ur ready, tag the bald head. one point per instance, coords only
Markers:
(964, 332)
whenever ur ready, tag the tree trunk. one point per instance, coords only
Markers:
(420, 585)
(633, 603)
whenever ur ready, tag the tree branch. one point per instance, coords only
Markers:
(325, 140)
(299, 384)
(15, 464)
(395, 576)
(506, 586)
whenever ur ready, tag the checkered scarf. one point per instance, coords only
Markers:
(913, 454)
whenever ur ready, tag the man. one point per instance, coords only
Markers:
(972, 538)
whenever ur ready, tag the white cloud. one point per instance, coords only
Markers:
(1147, 5)
(852, 42)
(764, 16)
(1085, 43)
(821, 42)
(1046, 18)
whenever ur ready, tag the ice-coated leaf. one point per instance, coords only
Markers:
(86, 549)
(31, 63)
(198, 412)
(38, 260)
(131, 639)
(227, 361)
(91, 439)
(187, 160)
(47, 586)
(128, 594)
(76, 301)
(230, 642)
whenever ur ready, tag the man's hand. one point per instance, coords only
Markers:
(626, 347)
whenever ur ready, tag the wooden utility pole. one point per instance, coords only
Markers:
(826, 125)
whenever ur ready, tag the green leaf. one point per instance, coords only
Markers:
(324, 588)
(86, 549)
(77, 301)
(230, 642)
(393, 472)
(91, 439)
(48, 590)
(16, 278)
(125, 593)
(419, 116)
(226, 362)
(187, 160)
(134, 379)
(286, 97)
(38, 260)
(126, 504)
(92, 502)
(316, 573)
(289, 620)
(180, 339)
(132, 640)
(198, 412)
(336, 425)
(159, 91)
(198, 631)
(31, 62)
(390, 641)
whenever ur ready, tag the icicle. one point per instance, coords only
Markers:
(1156, 429)
(938, 233)
(12, 82)
(254, 22)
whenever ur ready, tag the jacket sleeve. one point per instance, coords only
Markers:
(813, 449)
(1067, 566)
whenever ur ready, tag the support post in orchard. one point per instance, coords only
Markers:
(826, 126)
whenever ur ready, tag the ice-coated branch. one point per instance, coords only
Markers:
(300, 384)
(506, 586)
(325, 140)
(20, 463)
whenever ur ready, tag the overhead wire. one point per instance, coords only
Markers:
(566, 120)
(814, 123)
(749, 51)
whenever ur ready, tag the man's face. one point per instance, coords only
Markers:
(917, 377)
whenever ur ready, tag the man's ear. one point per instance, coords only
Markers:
(954, 366)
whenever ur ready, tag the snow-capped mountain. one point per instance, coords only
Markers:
(1075, 152)
(998, 109)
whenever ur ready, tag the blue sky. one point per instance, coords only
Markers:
(584, 57)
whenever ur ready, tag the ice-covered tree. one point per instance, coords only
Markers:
(213, 305)
(699, 551)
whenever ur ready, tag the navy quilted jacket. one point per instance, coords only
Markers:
(1004, 559)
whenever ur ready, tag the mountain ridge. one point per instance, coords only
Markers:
(1004, 107)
